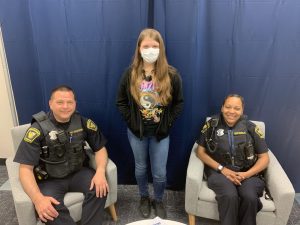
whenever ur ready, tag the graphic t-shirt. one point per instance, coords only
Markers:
(151, 109)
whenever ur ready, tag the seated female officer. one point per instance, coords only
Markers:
(235, 154)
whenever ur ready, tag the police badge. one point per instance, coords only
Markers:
(53, 135)
(220, 132)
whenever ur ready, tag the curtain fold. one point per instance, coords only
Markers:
(219, 47)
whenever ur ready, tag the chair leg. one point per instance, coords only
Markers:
(112, 211)
(191, 219)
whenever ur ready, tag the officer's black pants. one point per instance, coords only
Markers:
(237, 205)
(92, 207)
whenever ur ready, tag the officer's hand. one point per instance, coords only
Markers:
(232, 176)
(100, 184)
(45, 209)
(242, 176)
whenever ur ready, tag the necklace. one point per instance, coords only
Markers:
(147, 75)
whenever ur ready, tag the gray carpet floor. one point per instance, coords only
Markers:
(126, 206)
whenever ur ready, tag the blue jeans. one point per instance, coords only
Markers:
(158, 153)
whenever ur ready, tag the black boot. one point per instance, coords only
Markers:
(159, 209)
(145, 207)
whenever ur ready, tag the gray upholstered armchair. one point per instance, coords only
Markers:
(200, 200)
(73, 200)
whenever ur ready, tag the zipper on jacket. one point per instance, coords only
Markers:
(160, 124)
(161, 119)
(141, 127)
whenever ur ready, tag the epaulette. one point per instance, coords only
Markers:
(211, 123)
(39, 117)
(214, 121)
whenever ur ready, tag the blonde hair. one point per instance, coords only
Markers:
(163, 70)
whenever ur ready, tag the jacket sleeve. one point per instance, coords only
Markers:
(177, 100)
(260, 144)
(29, 149)
(122, 96)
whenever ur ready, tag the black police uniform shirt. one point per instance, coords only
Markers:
(29, 153)
(259, 142)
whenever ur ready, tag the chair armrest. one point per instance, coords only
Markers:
(281, 190)
(91, 155)
(112, 180)
(111, 176)
(193, 183)
(24, 207)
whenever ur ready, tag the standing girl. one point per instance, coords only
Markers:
(150, 99)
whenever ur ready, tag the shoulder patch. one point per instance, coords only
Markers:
(205, 127)
(31, 134)
(91, 125)
(259, 132)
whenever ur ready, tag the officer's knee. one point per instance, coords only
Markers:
(249, 198)
(231, 198)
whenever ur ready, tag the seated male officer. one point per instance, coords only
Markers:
(52, 161)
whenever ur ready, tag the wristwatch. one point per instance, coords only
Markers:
(220, 168)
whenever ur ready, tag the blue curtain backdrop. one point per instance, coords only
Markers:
(219, 46)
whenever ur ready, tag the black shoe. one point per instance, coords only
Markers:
(145, 207)
(159, 209)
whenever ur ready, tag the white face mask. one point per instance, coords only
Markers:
(150, 55)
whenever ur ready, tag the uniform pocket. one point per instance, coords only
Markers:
(57, 170)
